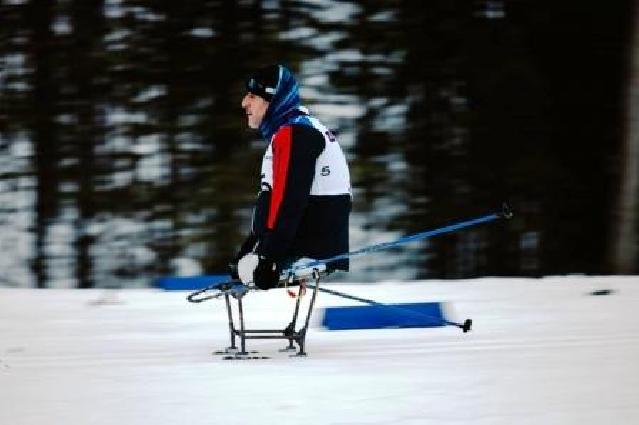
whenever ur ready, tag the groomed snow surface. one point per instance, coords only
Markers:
(542, 351)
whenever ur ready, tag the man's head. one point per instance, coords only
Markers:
(260, 87)
(272, 99)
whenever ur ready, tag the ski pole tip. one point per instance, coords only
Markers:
(468, 323)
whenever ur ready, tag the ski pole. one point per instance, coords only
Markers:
(465, 327)
(505, 213)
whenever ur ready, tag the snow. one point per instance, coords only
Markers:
(542, 351)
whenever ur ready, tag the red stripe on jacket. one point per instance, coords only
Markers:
(282, 143)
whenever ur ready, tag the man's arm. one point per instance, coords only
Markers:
(258, 228)
(295, 152)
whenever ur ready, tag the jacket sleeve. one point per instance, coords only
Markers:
(295, 152)
(258, 225)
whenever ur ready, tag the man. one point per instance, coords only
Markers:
(305, 196)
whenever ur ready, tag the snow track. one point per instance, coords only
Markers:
(541, 351)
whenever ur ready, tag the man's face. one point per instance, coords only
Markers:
(255, 107)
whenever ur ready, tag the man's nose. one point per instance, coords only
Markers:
(245, 101)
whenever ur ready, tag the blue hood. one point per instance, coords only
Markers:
(284, 108)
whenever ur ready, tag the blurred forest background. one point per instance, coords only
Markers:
(124, 153)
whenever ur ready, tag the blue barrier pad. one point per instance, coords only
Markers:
(412, 315)
(182, 283)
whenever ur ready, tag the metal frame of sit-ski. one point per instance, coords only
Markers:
(288, 333)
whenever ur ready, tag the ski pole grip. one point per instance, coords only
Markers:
(506, 211)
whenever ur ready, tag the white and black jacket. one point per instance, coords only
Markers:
(305, 199)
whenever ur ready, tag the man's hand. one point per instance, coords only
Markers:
(266, 274)
(258, 270)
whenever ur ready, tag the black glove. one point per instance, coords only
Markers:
(266, 274)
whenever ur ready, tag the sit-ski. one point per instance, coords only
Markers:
(314, 269)
(237, 290)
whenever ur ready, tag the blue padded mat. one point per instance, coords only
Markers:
(412, 315)
(179, 283)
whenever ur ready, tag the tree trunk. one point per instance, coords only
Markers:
(44, 129)
(625, 236)
(87, 21)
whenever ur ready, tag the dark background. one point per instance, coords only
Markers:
(125, 153)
